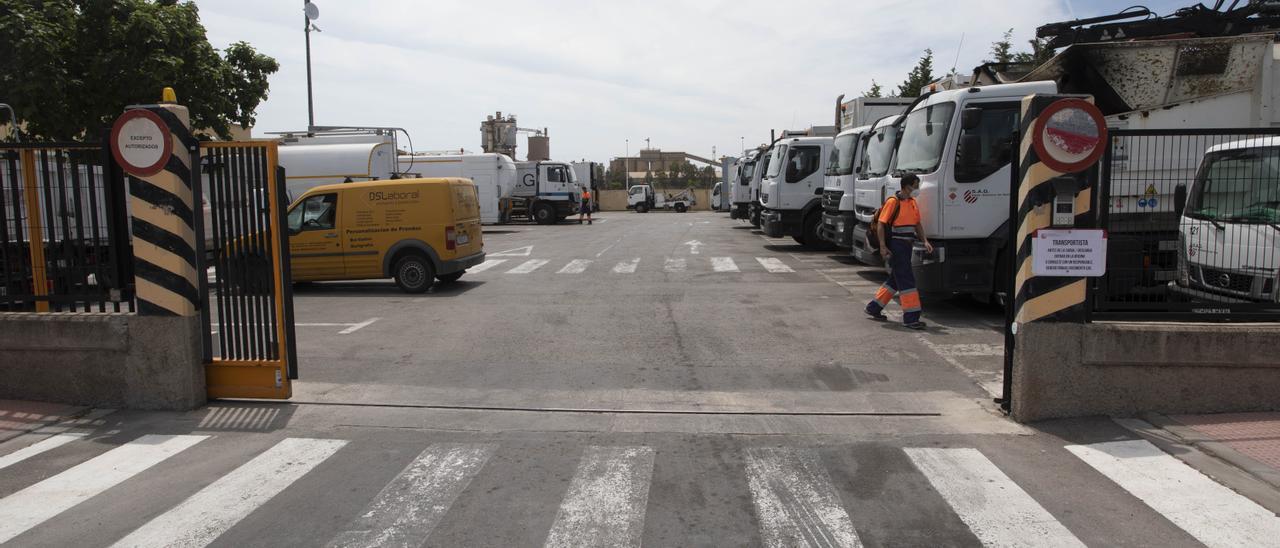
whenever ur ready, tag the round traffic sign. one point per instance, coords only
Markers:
(1069, 135)
(140, 142)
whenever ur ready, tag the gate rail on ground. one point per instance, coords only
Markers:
(1218, 262)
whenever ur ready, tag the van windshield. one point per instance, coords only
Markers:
(878, 154)
(1240, 186)
(842, 155)
(924, 136)
(775, 161)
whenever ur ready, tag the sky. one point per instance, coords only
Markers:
(697, 76)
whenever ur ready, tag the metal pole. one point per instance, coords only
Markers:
(626, 169)
(311, 113)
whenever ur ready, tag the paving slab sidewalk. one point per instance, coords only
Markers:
(18, 417)
(1250, 441)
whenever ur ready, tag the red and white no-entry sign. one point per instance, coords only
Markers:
(140, 142)
(1069, 135)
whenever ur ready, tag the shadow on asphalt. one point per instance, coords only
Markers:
(382, 288)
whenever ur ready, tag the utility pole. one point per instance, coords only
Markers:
(626, 168)
(309, 12)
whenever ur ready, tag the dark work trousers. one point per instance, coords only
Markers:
(901, 283)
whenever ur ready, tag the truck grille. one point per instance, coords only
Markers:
(1230, 281)
(831, 200)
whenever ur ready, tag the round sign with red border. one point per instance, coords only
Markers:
(140, 142)
(1070, 135)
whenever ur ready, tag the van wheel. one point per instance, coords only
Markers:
(544, 214)
(642, 208)
(414, 274)
(681, 208)
(450, 278)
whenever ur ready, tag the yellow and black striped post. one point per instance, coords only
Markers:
(155, 147)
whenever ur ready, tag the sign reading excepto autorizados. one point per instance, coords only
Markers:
(1069, 253)
(140, 142)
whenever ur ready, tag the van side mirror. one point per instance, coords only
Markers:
(969, 151)
(970, 118)
(1180, 198)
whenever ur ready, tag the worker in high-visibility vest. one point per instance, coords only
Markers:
(585, 207)
(899, 226)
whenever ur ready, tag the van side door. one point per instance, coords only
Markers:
(315, 247)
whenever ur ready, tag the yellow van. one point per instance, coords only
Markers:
(413, 230)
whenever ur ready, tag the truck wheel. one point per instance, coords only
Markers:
(544, 214)
(681, 208)
(450, 278)
(811, 237)
(414, 273)
(642, 208)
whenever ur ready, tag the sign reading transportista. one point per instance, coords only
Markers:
(1069, 253)
(140, 142)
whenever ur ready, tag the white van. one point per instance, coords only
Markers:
(493, 174)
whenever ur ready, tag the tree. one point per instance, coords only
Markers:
(70, 67)
(875, 90)
(1040, 53)
(1002, 50)
(919, 77)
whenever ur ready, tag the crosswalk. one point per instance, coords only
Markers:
(794, 500)
(632, 265)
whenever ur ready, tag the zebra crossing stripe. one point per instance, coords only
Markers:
(606, 500)
(795, 501)
(1213, 514)
(489, 263)
(409, 507)
(576, 266)
(49, 443)
(675, 264)
(627, 267)
(528, 266)
(209, 513)
(997, 511)
(774, 265)
(38, 503)
(724, 264)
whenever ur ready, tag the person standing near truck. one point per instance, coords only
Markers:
(898, 225)
(585, 207)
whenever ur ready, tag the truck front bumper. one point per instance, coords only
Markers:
(740, 210)
(858, 246)
(837, 228)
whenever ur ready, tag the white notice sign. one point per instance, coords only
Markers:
(1069, 253)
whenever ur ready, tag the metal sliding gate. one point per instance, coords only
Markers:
(247, 298)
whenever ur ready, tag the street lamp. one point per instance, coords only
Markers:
(312, 13)
(626, 169)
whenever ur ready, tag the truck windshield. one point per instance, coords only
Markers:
(748, 170)
(878, 154)
(842, 155)
(1238, 186)
(924, 135)
(775, 161)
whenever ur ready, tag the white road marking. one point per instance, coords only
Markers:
(517, 252)
(627, 267)
(528, 266)
(358, 326)
(693, 246)
(992, 384)
(1208, 511)
(576, 266)
(997, 511)
(969, 349)
(49, 443)
(406, 511)
(38, 503)
(774, 265)
(674, 264)
(606, 500)
(795, 501)
(724, 264)
(206, 515)
(602, 251)
(486, 265)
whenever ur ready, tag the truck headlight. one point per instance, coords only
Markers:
(1184, 266)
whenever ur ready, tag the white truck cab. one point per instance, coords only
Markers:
(644, 198)
(791, 191)
(838, 219)
(1229, 231)
(551, 190)
(874, 175)
(715, 197)
(740, 194)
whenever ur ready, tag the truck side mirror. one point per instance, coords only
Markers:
(970, 118)
(969, 150)
(1180, 198)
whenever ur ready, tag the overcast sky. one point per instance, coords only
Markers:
(688, 75)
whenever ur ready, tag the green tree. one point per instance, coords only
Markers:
(1040, 53)
(1002, 50)
(69, 67)
(875, 91)
(919, 77)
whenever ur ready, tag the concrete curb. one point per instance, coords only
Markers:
(1194, 438)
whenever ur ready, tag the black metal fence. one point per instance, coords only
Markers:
(64, 230)
(1193, 225)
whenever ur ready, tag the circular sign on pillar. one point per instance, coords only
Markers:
(140, 142)
(1070, 135)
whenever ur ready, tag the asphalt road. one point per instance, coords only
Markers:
(661, 379)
